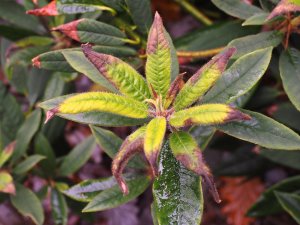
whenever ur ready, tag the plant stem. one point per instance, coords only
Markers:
(195, 12)
(199, 54)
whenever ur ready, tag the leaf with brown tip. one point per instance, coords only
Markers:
(285, 6)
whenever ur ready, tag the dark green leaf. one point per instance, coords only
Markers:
(140, 11)
(263, 131)
(177, 192)
(113, 197)
(11, 117)
(237, 8)
(287, 114)
(250, 43)
(77, 157)
(59, 207)
(26, 133)
(290, 203)
(290, 74)
(14, 33)
(267, 203)
(28, 204)
(240, 77)
(28, 164)
(56, 86)
(203, 135)
(256, 19)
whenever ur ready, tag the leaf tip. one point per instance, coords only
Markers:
(69, 29)
(47, 10)
(50, 114)
(237, 115)
(36, 62)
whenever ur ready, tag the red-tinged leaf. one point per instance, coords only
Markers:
(69, 29)
(132, 145)
(6, 183)
(238, 195)
(285, 6)
(120, 74)
(47, 10)
(7, 152)
(175, 87)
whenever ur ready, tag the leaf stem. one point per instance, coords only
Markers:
(195, 12)
(200, 54)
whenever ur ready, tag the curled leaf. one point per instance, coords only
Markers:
(120, 74)
(285, 6)
(186, 151)
(154, 136)
(101, 102)
(203, 79)
(206, 114)
(132, 144)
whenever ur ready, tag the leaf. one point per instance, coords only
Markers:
(207, 114)
(237, 8)
(159, 58)
(15, 14)
(185, 149)
(6, 183)
(100, 102)
(267, 203)
(153, 140)
(256, 19)
(77, 157)
(287, 114)
(111, 143)
(251, 43)
(140, 12)
(81, 64)
(290, 203)
(26, 133)
(87, 190)
(55, 60)
(6, 153)
(208, 37)
(14, 33)
(92, 31)
(203, 135)
(56, 86)
(239, 194)
(285, 6)
(177, 192)
(263, 131)
(113, 197)
(28, 164)
(290, 74)
(20, 201)
(11, 117)
(43, 147)
(202, 80)
(240, 77)
(59, 7)
(121, 75)
(92, 118)
(59, 207)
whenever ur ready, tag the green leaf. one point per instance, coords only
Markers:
(237, 8)
(77, 157)
(290, 203)
(256, 19)
(15, 14)
(87, 190)
(81, 64)
(206, 114)
(100, 102)
(92, 31)
(14, 33)
(208, 37)
(6, 183)
(55, 60)
(93, 118)
(11, 117)
(28, 164)
(203, 135)
(140, 12)
(267, 203)
(56, 86)
(290, 74)
(26, 133)
(113, 197)
(240, 77)
(120, 74)
(287, 114)
(250, 43)
(59, 207)
(290, 159)
(111, 143)
(159, 58)
(20, 201)
(263, 131)
(43, 147)
(203, 80)
(177, 192)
